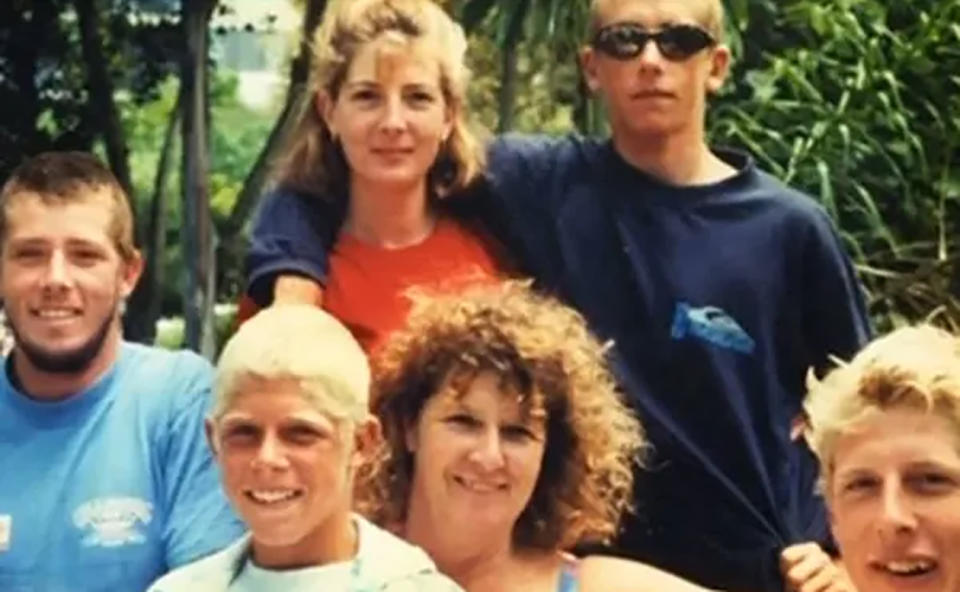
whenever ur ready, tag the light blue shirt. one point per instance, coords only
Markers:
(113, 486)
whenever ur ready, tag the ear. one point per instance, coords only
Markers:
(367, 438)
(720, 59)
(211, 432)
(130, 272)
(588, 65)
(324, 105)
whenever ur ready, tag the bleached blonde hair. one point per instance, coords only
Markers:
(710, 18)
(911, 368)
(301, 343)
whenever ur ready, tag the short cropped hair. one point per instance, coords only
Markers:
(910, 368)
(711, 17)
(543, 354)
(301, 343)
(59, 178)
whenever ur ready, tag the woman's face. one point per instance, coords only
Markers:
(285, 465)
(390, 115)
(895, 502)
(476, 457)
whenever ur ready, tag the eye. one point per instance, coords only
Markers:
(28, 253)
(241, 434)
(462, 421)
(931, 482)
(364, 95)
(421, 98)
(86, 256)
(860, 485)
(303, 434)
(517, 433)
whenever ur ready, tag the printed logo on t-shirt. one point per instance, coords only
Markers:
(6, 528)
(711, 324)
(113, 521)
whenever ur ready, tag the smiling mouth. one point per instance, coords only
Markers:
(479, 486)
(652, 94)
(907, 568)
(55, 314)
(272, 497)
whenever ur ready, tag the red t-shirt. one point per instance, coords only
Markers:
(367, 285)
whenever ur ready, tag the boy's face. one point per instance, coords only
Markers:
(654, 89)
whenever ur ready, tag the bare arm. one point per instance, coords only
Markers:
(297, 289)
(613, 574)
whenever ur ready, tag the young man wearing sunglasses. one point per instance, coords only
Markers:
(718, 286)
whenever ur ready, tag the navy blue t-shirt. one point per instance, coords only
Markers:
(718, 298)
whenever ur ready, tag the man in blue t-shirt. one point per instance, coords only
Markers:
(107, 481)
(719, 287)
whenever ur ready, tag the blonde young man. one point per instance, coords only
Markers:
(718, 285)
(107, 480)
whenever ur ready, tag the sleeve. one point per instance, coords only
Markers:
(292, 233)
(198, 517)
(834, 313)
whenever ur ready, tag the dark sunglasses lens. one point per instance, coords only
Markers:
(620, 42)
(681, 42)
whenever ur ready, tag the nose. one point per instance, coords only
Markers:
(58, 274)
(488, 452)
(270, 454)
(897, 515)
(650, 57)
(393, 119)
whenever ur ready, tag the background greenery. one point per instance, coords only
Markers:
(856, 102)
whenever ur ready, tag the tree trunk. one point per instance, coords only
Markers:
(146, 300)
(102, 106)
(197, 230)
(296, 101)
(507, 95)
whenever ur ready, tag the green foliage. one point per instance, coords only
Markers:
(857, 103)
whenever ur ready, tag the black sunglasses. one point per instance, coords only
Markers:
(625, 41)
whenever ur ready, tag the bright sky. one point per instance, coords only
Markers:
(255, 12)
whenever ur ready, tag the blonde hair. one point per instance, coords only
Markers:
(313, 162)
(60, 178)
(301, 343)
(711, 16)
(543, 352)
(910, 368)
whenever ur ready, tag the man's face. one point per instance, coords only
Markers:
(656, 92)
(62, 280)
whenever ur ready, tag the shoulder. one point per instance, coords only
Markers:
(161, 379)
(612, 574)
(213, 573)
(541, 151)
(395, 563)
(283, 211)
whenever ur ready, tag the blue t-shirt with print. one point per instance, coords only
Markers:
(112, 487)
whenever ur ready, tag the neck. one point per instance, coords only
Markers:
(680, 159)
(334, 541)
(477, 562)
(56, 386)
(392, 217)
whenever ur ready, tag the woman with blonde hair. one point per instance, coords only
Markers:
(886, 427)
(506, 444)
(374, 169)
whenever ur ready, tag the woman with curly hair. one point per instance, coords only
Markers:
(886, 427)
(506, 443)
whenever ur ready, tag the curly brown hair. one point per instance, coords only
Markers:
(541, 350)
